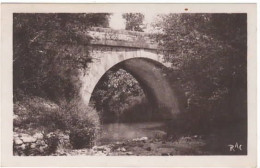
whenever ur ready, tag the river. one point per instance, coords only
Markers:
(119, 132)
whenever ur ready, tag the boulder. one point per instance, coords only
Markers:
(121, 149)
(28, 139)
(141, 139)
(23, 146)
(149, 148)
(38, 135)
(33, 145)
(18, 141)
(129, 153)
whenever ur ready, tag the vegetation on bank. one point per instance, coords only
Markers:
(208, 53)
(49, 49)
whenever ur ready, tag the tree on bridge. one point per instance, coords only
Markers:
(134, 21)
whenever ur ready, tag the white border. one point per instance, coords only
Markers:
(238, 161)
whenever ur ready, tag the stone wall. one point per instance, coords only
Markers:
(39, 143)
(121, 38)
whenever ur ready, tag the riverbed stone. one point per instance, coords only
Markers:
(18, 141)
(23, 146)
(121, 149)
(129, 153)
(143, 139)
(33, 145)
(165, 154)
(149, 148)
(38, 135)
(28, 139)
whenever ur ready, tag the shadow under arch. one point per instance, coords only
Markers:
(153, 79)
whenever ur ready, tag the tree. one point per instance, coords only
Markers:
(134, 21)
(48, 51)
(208, 53)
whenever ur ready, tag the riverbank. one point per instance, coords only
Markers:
(144, 147)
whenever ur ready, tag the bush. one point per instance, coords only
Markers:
(52, 140)
(34, 114)
(82, 137)
(83, 124)
(38, 113)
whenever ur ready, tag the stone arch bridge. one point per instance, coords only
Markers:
(135, 53)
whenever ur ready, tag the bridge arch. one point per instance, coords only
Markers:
(145, 66)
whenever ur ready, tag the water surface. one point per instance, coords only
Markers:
(118, 132)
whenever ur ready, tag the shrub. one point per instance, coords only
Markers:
(83, 124)
(52, 140)
(38, 113)
(82, 137)
(34, 114)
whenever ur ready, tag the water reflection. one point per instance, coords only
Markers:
(118, 132)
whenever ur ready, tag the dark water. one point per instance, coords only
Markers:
(118, 132)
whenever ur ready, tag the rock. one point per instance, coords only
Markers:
(15, 134)
(141, 139)
(23, 146)
(140, 145)
(121, 149)
(63, 154)
(94, 148)
(187, 139)
(149, 148)
(51, 134)
(129, 153)
(101, 148)
(172, 153)
(40, 142)
(42, 149)
(15, 117)
(100, 153)
(28, 139)
(160, 134)
(33, 145)
(38, 135)
(18, 141)
(165, 154)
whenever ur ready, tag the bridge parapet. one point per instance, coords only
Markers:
(121, 38)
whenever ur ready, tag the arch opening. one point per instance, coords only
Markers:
(157, 94)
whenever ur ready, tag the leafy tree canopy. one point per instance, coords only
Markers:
(134, 21)
(48, 49)
(208, 53)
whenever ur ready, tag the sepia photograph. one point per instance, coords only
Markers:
(141, 83)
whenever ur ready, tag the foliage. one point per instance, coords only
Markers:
(83, 124)
(48, 50)
(52, 140)
(134, 21)
(40, 115)
(119, 97)
(208, 56)
(82, 137)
